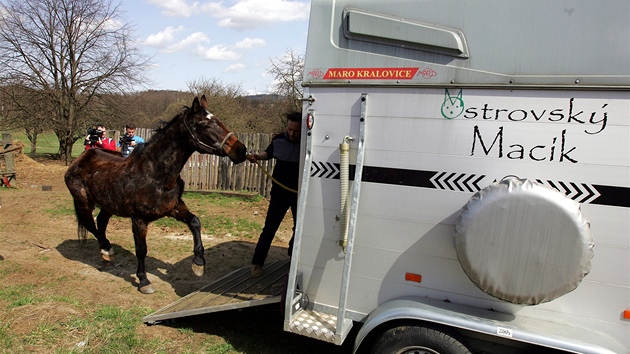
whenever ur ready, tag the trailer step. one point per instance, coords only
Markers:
(319, 325)
(235, 290)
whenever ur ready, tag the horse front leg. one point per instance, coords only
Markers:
(139, 228)
(184, 215)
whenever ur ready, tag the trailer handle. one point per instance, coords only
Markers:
(310, 99)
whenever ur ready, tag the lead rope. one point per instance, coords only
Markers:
(273, 179)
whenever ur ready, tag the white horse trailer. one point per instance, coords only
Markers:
(466, 177)
(465, 181)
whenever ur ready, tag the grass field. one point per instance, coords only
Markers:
(47, 143)
(62, 321)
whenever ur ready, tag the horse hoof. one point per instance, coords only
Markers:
(147, 289)
(107, 255)
(199, 270)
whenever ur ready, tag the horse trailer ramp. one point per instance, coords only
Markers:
(233, 291)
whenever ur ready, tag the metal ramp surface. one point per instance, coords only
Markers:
(235, 290)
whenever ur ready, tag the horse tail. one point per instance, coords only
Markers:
(81, 230)
(81, 233)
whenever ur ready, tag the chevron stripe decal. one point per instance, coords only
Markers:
(580, 192)
(325, 170)
(583, 193)
(457, 181)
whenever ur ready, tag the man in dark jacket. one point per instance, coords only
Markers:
(285, 148)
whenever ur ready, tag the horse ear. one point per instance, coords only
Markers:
(195, 105)
(204, 102)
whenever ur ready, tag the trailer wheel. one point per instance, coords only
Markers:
(418, 340)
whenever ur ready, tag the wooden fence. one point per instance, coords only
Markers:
(205, 172)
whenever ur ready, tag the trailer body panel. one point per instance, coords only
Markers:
(439, 110)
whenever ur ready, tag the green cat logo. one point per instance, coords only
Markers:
(452, 107)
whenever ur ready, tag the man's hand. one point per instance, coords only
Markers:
(258, 156)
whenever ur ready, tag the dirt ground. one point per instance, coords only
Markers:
(42, 244)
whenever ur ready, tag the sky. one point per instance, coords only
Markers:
(232, 41)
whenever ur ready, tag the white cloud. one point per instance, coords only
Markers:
(198, 41)
(251, 43)
(217, 52)
(192, 40)
(177, 8)
(234, 68)
(247, 14)
(163, 38)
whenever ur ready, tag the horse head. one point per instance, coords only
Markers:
(210, 135)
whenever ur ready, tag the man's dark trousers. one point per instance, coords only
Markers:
(281, 200)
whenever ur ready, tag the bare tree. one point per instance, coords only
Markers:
(241, 113)
(26, 110)
(220, 96)
(72, 52)
(287, 72)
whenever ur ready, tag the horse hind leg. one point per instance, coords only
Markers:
(107, 251)
(86, 223)
(140, 227)
(84, 219)
(184, 215)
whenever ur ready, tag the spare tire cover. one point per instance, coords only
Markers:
(523, 242)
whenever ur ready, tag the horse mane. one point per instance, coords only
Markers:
(137, 150)
(162, 126)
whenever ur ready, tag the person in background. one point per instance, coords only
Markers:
(97, 138)
(129, 141)
(285, 148)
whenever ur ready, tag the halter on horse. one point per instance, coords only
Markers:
(146, 186)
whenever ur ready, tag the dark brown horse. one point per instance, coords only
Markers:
(146, 186)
